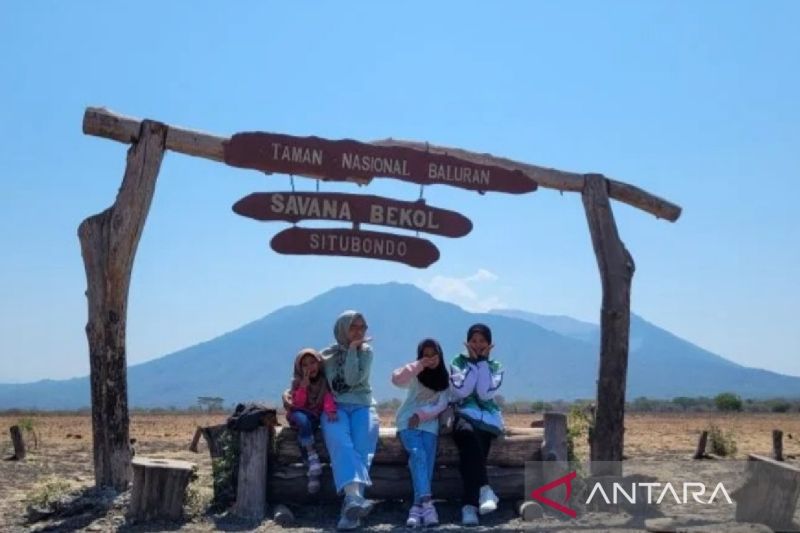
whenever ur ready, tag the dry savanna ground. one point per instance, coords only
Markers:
(62, 461)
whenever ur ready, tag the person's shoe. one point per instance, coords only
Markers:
(487, 501)
(346, 524)
(314, 466)
(430, 518)
(356, 507)
(414, 516)
(313, 484)
(469, 515)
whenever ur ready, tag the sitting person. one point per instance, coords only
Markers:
(305, 401)
(427, 382)
(474, 380)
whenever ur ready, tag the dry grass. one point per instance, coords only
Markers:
(65, 450)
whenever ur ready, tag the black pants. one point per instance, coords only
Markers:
(473, 449)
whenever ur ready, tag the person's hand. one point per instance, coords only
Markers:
(332, 416)
(304, 382)
(356, 343)
(487, 351)
(413, 422)
(470, 351)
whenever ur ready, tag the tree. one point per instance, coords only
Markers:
(210, 403)
(727, 401)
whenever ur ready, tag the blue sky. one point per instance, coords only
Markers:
(694, 101)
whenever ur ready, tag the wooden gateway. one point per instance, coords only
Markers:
(109, 241)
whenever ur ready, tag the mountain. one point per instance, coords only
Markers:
(545, 357)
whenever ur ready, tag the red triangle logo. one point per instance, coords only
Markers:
(538, 494)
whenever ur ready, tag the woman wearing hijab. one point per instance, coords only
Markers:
(427, 382)
(352, 437)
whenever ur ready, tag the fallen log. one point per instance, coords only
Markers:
(287, 483)
(514, 449)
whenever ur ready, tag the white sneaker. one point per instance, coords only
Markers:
(487, 502)
(469, 515)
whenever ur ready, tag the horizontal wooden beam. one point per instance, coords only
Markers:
(556, 179)
(102, 122)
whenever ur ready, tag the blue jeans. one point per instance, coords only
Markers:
(305, 423)
(421, 448)
(351, 442)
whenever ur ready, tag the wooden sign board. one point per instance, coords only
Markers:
(339, 160)
(354, 208)
(411, 251)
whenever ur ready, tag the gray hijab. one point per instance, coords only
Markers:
(340, 330)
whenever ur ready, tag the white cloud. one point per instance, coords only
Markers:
(469, 292)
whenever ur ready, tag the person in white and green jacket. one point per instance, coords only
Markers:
(474, 381)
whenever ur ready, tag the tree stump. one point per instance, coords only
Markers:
(159, 488)
(19, 443)
(251, 489)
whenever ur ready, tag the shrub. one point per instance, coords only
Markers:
(722, 444)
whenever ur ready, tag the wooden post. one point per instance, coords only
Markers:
(18, 442)
(701, 446)
(616, 272)
(108, 245)
(554, 447)
(159, 488)
(777, 444)
(196, 439)
(251, 491)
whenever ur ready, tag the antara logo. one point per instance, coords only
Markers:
(694, 490)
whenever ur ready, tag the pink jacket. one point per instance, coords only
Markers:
(300, 397)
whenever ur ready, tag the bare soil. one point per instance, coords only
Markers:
(656, 444)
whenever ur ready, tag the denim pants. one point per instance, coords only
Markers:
(421, 448)
(351, 442)
(305, 423)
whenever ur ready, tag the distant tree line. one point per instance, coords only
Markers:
(723, 402)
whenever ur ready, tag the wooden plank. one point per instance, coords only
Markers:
(616, 272)
(411, 251)
(353, 208)
(516, 447)
(341, 159)
(108, 246)
(105, 123)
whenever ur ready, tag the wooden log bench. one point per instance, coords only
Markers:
(390, 475)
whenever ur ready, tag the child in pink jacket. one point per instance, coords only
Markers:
(305, 402)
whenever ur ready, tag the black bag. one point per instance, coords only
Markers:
(248, 417)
